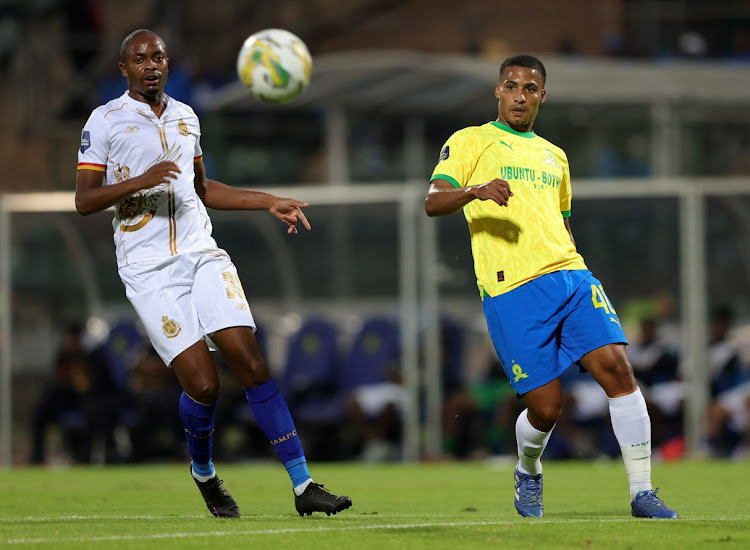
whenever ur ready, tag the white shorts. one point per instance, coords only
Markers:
(186, 298)
(736, 402)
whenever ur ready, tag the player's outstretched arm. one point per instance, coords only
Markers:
(219, 196)
(443, 199)
(92, 197)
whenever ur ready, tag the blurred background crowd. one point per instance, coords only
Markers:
(113, 400)
(392, 80)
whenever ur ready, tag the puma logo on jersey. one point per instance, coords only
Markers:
(549, 158)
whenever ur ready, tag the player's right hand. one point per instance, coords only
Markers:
(158, 174)
(496, 190)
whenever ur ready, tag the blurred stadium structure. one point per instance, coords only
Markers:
(648, 98)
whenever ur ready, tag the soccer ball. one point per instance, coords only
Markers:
(275, 65)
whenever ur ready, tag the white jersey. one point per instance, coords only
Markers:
(123, 139)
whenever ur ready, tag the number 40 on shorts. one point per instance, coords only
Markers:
(599, 299)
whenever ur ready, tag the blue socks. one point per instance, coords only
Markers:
(198, 420)
(272, 415)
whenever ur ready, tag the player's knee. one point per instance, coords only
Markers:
(257, 370)
(620, 370)
(544, 416)
(206, 392)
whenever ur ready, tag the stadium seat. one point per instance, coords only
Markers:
(124, 346)
(453, 345)
(374, 352)
(309, 382)
(371, 387)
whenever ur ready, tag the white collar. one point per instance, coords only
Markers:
(145, 109)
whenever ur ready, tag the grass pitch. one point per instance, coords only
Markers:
(440, 505)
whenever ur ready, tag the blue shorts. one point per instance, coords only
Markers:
(542, 327)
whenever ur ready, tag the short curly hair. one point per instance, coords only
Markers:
(125, 46)
(524, 60)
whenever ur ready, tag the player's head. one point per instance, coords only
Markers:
(144, 62)
(520, 89)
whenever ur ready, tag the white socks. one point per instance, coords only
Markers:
(201, 478)
(531, 443)
(632, 427)
(299, 489)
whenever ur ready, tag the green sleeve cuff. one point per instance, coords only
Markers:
(566, 214)
(449, 179)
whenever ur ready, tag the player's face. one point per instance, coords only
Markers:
(146, 65)
(521, 92)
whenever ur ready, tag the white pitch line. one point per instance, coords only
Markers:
(391, 526)
(67, 518)
(740, 517)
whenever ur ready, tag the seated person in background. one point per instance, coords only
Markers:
(726, 369)
(375, 411)
(76, 401)
(156, 432)
(656, 367)
(479, 418)
(728, 427)
(585, 430)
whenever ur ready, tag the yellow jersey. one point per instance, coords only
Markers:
(515, 244)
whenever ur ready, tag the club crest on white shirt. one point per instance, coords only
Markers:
(122, 173)
(183, 128)
(137, 210)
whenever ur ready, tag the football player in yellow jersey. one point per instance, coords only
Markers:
(545, 311)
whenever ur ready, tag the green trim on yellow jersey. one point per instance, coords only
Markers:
(449, 179)
(517, 243)
(507, 128)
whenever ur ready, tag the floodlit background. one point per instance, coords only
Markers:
(371, 322)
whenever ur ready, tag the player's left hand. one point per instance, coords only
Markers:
(290, 212)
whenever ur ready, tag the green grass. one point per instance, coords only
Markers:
(440, 505)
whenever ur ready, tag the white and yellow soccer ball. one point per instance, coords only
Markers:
(275, 65)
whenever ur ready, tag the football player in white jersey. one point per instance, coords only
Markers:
(141, 154)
